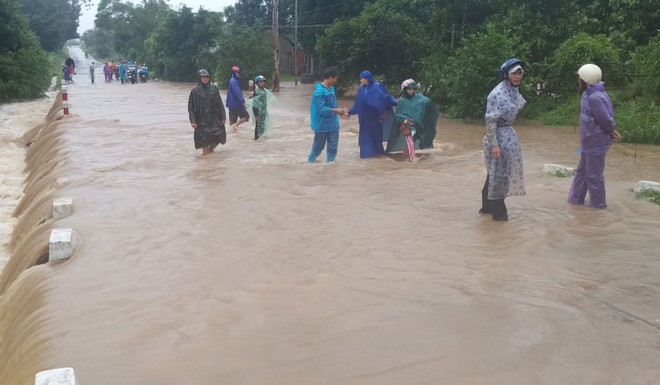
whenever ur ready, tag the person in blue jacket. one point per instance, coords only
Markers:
(371, 103)
(123, 70)
(235, 101)
(325, 117)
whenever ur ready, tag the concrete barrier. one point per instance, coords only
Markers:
(558, 170)
(60, 247)
(62, 376)
(646, 185)
(62, 208)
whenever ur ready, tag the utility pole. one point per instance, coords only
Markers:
(276, 45)
(295, 46)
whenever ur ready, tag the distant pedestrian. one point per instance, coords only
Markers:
(597, 129)
(207, 114)
(325, 117)
(91, 71)
(235, 101)
(123, 71)
(66, 73)
(107, 72)
(502, 153)
(259, 103)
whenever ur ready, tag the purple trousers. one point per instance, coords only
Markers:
(589, 177)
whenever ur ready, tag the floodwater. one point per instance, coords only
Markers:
(250, 266)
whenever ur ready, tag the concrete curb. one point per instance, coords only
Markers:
(646, 185)
(62, 208)
(558, 170)
(60, 247)
(61, 376)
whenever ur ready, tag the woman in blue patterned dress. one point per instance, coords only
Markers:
(501, 145)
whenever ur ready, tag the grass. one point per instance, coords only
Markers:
(650, 195)
(56, 60)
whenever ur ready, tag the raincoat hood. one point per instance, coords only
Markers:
(367, 75)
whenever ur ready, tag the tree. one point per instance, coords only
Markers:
(246, 47)
(577, 50)
(463, 80)
(53, 21)
(20, 55)
(186, 42)
(386, 38)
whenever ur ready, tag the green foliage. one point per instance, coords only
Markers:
(580, 49)
(650, 195)
(53, 21)
(638, 121)
(566, 114)
(645, 60)
(462, 81)
(186, 42)
(24, 67)
(246, 47)
(385, 39)
(122, 29)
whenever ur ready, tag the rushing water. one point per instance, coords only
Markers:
(250, 266)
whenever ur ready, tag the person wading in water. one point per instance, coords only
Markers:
(207, 114)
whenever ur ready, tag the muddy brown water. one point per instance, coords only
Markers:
(250, 266)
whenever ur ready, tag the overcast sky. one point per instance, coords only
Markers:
(87, 16)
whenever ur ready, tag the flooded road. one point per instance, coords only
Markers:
(250, 266)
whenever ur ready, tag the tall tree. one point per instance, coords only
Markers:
(20, 55)
(53, 21)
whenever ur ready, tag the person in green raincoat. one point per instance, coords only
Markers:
(414, 122)
(259, 103)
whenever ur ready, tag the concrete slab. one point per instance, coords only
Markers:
(646, 185)
(60, 247)
(558, 170)
(61, 376)
(62, 208)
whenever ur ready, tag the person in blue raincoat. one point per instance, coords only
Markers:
(123, 71)
(371, 103)
(235, 101)
(324, 115)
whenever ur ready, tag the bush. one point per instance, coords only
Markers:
(645, 60)
(578, 50)
(464, 80)
(638, 121)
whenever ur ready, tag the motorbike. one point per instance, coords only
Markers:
(144, 74)
(132, 74)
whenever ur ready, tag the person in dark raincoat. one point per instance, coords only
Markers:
(207, 114)
(597, 129)
(415, 117)
(371, 103)
(504, 165)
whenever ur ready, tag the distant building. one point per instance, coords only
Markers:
(307, 63)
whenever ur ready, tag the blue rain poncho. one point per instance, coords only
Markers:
(323, 101)
(371, 103)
